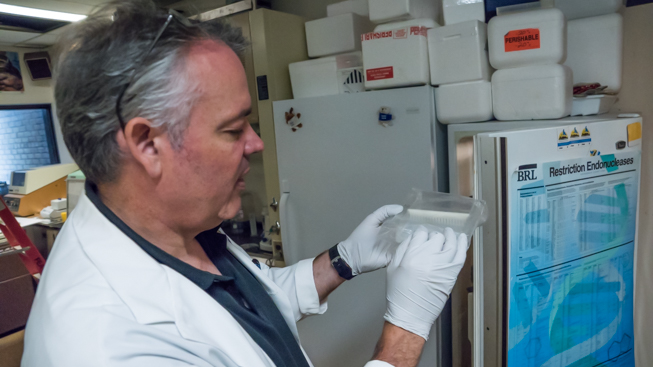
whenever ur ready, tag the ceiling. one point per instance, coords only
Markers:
(41, 40)
(25, 39)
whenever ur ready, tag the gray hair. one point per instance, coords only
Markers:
(96, 59)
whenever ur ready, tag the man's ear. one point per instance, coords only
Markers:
(140, 139)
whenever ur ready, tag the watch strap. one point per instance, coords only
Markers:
(339, 264)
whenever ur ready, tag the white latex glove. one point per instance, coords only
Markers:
(363, 251)
(421, 276)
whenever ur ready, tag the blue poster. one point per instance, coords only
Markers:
(572, 243)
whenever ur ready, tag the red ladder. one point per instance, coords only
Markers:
(19, 241)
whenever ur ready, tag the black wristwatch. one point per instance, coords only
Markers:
(339, 264)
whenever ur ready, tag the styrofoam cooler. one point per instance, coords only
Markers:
(384, 11)
(464, 102)
(458, 11)
(396, 54)
(457, 53)
(532, 92)
(335, 35)
(327, 75)
(574, 9)
(595, 50)
(527, 38)
(351, 6)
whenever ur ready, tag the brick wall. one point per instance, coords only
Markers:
(23, 141)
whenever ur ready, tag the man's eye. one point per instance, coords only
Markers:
(235, 132)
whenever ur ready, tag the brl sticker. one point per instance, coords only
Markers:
(522, 39)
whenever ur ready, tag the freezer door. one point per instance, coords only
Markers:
(337, 164)
(553, 267)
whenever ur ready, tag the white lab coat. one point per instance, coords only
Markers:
(103, 301)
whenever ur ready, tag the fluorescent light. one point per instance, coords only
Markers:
(39, 13)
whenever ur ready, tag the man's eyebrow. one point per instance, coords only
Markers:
(243, 113)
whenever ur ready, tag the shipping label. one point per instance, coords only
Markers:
(379, 73)
(401, 33)
(522, 39)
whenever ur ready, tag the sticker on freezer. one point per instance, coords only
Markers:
(571, 256)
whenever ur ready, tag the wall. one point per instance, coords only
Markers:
(36, 92)
(637, 96)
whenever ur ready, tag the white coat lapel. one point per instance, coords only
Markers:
(156, 294)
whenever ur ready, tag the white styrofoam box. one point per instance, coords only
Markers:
(327, 75)
(595, 50)
(592, 105)
(396, 55)
(351, 6)
(335, 35)
(532, 92)
(527, 38)
(458, 11)
(574, 9)
(457, 53)
(427, 23)
(384, 11)
(464, 102)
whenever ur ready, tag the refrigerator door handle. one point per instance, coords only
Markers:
(290, 252)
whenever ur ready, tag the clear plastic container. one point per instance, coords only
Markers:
(436, 211)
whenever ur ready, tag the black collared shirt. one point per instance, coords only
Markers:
(237, 290)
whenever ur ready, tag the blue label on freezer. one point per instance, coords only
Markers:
(572, 244)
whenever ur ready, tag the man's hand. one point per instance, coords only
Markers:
(363, 251)
(421, 276)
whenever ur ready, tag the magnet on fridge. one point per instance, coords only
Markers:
(292, 119)
(634, 134)
(385, 117)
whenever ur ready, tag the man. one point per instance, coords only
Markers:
(154, 111)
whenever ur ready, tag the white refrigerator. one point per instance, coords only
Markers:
(337, 164)
(553, 267)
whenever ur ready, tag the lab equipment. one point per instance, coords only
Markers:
(27, 181)
(32, 190)
(563, 202)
